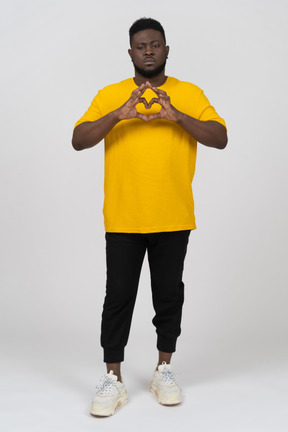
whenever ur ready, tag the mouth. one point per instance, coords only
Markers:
(149, 60)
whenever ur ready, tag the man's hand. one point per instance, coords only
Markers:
(210, 133)
(129, 110)
(88, 134)
(167, 112)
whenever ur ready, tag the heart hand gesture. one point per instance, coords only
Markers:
(129, 110)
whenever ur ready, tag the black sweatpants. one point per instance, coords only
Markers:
(124, 254)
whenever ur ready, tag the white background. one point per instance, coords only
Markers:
(231, 357)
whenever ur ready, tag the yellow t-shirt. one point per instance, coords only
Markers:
(149, 166)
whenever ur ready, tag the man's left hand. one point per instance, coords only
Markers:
(167, 112)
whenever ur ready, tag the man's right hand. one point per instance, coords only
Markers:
(88, 134)
(128, 110)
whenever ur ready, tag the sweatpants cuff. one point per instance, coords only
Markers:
(113, 355)
(166, 345)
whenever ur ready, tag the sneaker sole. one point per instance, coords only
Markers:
(154, 390)
(122, 401)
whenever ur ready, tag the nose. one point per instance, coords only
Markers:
(149, 50)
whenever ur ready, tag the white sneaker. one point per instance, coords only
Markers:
(165, 386)
(110, 395)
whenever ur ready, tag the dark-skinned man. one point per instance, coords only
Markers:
(151, 125)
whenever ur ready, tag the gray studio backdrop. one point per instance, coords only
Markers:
(55, 56)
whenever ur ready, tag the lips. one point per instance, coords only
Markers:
(149, 60)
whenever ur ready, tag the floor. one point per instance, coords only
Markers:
(48, 387)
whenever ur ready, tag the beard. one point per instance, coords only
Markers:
(150, 73)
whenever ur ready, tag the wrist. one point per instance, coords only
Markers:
(116, 115)
(179, 116)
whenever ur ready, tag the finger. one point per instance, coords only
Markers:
(152, 101)
(139, 91)
(141, 116)
(143, 100)
(153, 117)
(159, 91)
(136, 95)
(163, 101)
(142, 86)
(145, 85)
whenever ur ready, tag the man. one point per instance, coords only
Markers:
(151, 124)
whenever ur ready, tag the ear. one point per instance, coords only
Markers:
(130, 52)
(167, 50)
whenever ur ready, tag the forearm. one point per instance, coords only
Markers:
(88, 134)
(209, 133)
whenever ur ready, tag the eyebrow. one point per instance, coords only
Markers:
(144, 43)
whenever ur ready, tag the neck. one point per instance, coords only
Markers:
(155, 81)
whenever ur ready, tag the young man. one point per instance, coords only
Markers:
(151, 124)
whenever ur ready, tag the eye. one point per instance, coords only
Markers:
(156, 45)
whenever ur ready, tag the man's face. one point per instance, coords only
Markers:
(148, 52)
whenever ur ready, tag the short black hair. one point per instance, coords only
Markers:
(144, 24)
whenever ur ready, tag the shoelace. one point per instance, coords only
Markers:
(106, 385)
(169, 377)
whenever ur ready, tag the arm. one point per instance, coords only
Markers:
(88, 134)
(210, 133)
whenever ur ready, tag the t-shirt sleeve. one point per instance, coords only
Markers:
(206, 111)
(93, 113)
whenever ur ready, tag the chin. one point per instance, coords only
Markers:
(149, 72)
